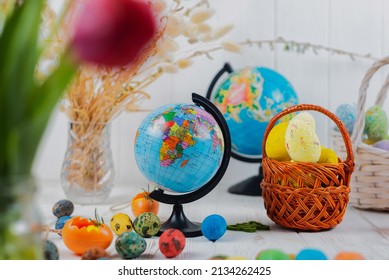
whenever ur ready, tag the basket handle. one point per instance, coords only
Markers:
(360, 121)
(349, 161)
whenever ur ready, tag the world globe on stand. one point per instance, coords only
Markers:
(179, 147)
(183, 150)
(248, 99)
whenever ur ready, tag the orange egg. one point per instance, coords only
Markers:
(349, 256)
(80, 234)
(142, 203)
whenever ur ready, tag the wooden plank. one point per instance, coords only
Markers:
(306, 21)
(354, 26)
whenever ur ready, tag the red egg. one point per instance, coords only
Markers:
(172, 242)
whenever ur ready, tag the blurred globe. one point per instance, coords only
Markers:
(248, 99)
(179, 147)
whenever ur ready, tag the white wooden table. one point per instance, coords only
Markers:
(366, 232)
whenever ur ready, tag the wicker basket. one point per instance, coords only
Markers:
(336, 138)
(307, 196)
(370, 182)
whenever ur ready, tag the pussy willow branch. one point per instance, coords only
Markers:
(288, 45)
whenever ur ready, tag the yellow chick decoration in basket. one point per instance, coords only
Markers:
(302, 142)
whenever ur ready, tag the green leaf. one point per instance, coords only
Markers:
(25, 106)
(19, 57)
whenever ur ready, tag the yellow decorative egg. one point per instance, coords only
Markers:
(120, 223)
(275, 143)
(302, 142)
(328, 155)
(307, 117)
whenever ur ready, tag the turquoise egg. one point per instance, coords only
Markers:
(147, 224)
(346, 113)
(213, 227)
(50, 250)
(376, 123)
(311, 254)
(130, 245)
(272, 254)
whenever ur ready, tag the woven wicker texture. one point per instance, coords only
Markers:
(307, 196)
(370, 182)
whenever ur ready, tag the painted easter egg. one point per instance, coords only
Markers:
(376, 123)
(171, 242)
(120, 223)
(50, 250)
(272, 254)
(213, 227)
(147, 224)
(349, 256)
(63, 207)
(383, 144)
(61, 221)
(346, 113)
(130, 245)
(275, 143)
(307, 117)
(311, 254)
(328, 155)
(302, 142)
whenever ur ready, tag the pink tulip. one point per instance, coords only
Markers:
(113, 32)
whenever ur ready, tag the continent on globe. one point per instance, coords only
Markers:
(248, 99)
(176, 138)
(179, 147)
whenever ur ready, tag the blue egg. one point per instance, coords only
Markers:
(61, 222)
(346, 113)
(63, 207)
(311, 254)
(213, 227)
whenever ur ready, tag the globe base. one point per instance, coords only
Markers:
(249, 186)
(179, 221)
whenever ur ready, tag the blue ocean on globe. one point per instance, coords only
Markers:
(179, 147)
(248, 99)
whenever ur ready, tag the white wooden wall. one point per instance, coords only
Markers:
(360, 26)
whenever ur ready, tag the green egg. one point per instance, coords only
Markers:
(130, 245)
(272, 254)
(376, 123)
(147, 224)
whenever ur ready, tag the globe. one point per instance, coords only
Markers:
(248, 99)
(179, 147)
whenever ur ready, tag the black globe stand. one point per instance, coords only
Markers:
(178, 218)
(249, 186)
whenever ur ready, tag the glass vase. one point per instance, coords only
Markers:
(87, 174)
(20, 221)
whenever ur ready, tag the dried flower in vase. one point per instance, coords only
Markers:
(98, 94)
